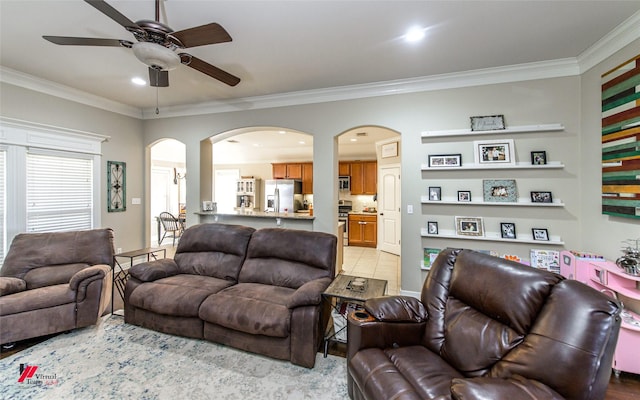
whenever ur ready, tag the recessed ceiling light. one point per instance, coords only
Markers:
(282, 132)
(138, 81)
(414, 34)
(353, 139)
(301, 142)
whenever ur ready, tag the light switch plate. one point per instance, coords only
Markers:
(409, 208)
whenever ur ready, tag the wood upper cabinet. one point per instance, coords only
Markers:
(300, 171)
(307, 178)
(364, 177)
(344, 168)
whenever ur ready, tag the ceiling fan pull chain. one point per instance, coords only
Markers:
(157, 109)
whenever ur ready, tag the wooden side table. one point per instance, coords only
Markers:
(123, 274)
(353, 289)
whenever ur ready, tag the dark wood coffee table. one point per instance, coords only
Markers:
(351, 289)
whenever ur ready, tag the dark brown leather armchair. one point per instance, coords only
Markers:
(54, 282)
(485, 328)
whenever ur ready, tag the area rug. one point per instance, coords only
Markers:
(114, 360)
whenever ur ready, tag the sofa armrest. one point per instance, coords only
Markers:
(10, 285)
(516, 387)
(396, 309)
(309, 294)
(81, 279)
(363, 333)
(154, 270)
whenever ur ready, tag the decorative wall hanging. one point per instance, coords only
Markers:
(116, 186)
(621, 140)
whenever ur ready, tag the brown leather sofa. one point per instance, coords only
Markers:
(255, 290)
(54, 282)
(485, 328)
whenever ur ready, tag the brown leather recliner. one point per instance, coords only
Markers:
(54, 282)
(485, 328)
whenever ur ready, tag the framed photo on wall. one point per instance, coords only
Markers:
(445, 160)
(508, 230)
(469, 226)
(540, 234)
(491, 152)
(541, 197)
(500, 190)
(435, 193)
(432, 228)
(538, 157)
(464, 196)
(487, 123)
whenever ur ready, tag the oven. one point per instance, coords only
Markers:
(344, 208)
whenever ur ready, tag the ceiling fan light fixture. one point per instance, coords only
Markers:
(156, 56)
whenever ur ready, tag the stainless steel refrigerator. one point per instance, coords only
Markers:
(282, 194)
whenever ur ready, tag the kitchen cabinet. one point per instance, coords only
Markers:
(363, 230)
(344, 169)
(287, 171)
(301, 171)
(364, 177)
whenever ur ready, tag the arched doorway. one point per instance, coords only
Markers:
(167, 182)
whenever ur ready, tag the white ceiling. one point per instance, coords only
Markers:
(290, 46)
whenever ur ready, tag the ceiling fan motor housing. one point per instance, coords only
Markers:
(156, 56)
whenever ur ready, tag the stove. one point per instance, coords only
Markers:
(344, 208)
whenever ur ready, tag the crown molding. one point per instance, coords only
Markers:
(611, 43)
(20, 79)
(512, 73)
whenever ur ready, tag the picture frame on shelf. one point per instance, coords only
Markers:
(487, 123)
(445, 160)
(507, 230)
(538, 157)
(500, 190)
(435, 193)
(469, 226)
(432, 228)
(541, 234)
(541, 197)
(464, 196)
(430, 255)
(494, 152)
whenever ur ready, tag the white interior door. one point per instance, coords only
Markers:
(389, 209)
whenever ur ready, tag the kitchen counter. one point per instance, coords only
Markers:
(363, 212)
(259, 219)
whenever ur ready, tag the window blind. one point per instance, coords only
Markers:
(3, 191)
(59, 193)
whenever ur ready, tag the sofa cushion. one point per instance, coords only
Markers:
(411, 372)
(250, 308)
(216, 250)
(36, 299)
(9, 285)
(179, 295)
(288, 257)
(34, 250)
(53, 275)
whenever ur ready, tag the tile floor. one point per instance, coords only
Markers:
(371, 263)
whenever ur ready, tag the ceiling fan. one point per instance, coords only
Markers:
(158, 46)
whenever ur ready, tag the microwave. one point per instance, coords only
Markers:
(344, 183)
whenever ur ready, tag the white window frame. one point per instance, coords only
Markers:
(18, 137)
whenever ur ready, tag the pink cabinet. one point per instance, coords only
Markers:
(608, 278)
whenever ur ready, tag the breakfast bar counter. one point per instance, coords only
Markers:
(259, 219)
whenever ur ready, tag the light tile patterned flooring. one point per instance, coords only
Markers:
(371, 263)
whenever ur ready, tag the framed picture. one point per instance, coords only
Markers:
(435, 193)
(469, 226)
(508, 230)
(487, 123)
(430, 256)
(541, 197)
(489, 152)
(464, 196)
(432, 228)
(389, 150)
(540, 234)
(116, 186)
(445, 160)
(500, 190)
(538, 157)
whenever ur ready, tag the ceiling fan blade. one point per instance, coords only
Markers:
(112, 13)
(210, 70)
(158, 78)
(201, 35)
(81, 41)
